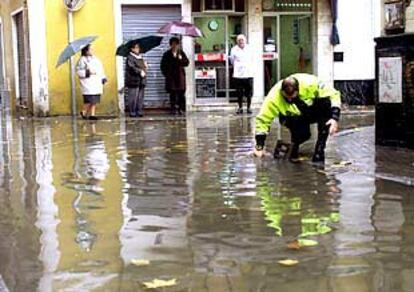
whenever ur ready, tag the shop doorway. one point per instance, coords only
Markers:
(20, 59)
(213, 70)
(141, 20)
(288, 46)
(2, 77)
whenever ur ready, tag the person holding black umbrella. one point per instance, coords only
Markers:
(135, 80)
(172, 67)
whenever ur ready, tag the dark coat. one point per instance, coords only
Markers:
(173, 70)
(133, 69)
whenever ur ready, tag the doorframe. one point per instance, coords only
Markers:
(3, 55)
(16, 52)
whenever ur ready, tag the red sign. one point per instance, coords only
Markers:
(269, 56)
(210, 57)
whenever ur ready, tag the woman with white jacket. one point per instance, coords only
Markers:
(92, 78)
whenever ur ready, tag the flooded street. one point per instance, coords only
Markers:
(82, 202)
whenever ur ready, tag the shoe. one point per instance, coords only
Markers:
(294, 153)
(249, 111)
(140, 115)
(239, 111)
(93, 118)
(281, 150)
(83, 115)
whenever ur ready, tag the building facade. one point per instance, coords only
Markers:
(287, 36)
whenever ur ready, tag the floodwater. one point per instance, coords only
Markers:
(82, 203)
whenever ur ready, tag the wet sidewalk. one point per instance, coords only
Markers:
(109, 206)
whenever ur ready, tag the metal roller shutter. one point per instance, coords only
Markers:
(139, 20)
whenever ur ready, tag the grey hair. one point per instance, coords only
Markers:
(241, 36)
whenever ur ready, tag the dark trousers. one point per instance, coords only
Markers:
(244, 87)
(136, 100)
(299, 126)
(177, 100)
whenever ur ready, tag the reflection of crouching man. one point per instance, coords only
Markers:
(299, 101)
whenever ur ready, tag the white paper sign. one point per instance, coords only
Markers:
(390, 80)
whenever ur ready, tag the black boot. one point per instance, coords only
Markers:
(319, 154)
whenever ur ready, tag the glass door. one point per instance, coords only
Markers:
(235, 27)
(213, 70)
(287, 46)
(295, 44)
(211, 58)
(271, 51)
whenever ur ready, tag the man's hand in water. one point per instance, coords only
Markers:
(258, 153)
(333, 126)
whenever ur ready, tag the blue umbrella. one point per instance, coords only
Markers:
(73, 48)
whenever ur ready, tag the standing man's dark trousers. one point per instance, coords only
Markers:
(320, 112)
(136, 101)
(244, 87)
(177, 101)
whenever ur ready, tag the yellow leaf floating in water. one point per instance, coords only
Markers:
(307, 242)
(140, 262)
(157, 283)
(294, 245)
(301, 243)
(341, 164)
(288, 262)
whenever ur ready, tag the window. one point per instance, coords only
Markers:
(287, 5)
(220, 5)
(196, 5)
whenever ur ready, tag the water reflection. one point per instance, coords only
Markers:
(93, 171)
(157, 195)
(80, 201)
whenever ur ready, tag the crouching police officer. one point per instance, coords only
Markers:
(299, 101)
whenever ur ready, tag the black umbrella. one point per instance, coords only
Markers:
(146, 44)
(334, 11)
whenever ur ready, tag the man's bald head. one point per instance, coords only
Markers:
(290, 88)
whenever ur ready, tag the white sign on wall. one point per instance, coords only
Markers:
(390, 80)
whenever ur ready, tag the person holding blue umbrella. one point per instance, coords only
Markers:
(92, 78)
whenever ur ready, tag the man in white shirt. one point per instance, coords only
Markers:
(242, 59)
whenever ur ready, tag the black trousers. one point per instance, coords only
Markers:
(244, 87)
(177, 100)
(299, 126)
